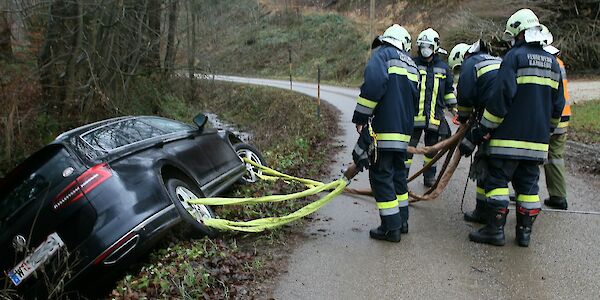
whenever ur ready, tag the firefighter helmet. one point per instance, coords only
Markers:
(457, 55)
(521, 20)
(397, 36)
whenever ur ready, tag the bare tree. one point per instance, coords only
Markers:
(5, 37)
(171, 50)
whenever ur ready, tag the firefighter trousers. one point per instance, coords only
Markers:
(524, 175)
(388, 183)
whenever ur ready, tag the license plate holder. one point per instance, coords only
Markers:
(39, 257)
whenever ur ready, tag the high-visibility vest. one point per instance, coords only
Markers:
(566, 114)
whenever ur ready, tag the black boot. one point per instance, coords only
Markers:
(525, 219)
(556, 202)
(429, 181)
(390, 235)
(477, 215)
(404, 216)
(493, 232)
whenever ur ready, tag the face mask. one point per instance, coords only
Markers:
(512, 42)
(426, 52)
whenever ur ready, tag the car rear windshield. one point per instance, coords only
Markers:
(33, 180)
(130, 131)
(121, 134)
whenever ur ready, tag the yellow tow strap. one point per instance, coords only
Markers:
(258, 225)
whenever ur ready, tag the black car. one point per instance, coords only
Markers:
(100, 195)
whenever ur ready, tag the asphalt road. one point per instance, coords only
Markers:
(435, 259)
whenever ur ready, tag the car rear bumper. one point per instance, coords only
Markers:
(131, 245)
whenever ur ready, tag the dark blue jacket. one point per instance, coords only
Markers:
(388, 94)
(436, 92)
(528, 103)
(476, 84)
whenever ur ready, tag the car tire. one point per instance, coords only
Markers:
(192, 214)
(249, 151)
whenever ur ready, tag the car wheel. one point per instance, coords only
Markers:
(244, 150)
(193, 214)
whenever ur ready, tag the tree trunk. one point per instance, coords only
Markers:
(50, 59)
(74, 49)
(152, 60)
(5, 37)
(171, 50)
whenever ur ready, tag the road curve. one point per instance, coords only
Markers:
(338, 260)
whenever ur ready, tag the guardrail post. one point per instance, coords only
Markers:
(319, 92)
(290, 60)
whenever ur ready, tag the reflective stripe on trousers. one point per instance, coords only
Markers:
(529, 201)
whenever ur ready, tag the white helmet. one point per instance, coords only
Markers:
(548, 38)
(521, 20)
(429, 37)
(397, 36)
(457, 55)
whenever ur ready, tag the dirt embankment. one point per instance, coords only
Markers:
(582, 157)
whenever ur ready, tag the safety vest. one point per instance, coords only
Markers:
(566, 114)
(435, 93)
(529, 102)
(388, 95)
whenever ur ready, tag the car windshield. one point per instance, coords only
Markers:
(32, 181)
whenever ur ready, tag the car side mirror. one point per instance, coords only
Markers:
(200, 120)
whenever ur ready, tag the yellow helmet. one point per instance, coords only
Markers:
(519, 21)
(457, 55)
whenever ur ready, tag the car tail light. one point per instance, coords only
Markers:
(86, 182)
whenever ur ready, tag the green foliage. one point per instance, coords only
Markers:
(191, 270)
(585, 124)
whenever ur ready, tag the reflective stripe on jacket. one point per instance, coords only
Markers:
(388, 94)
(476, 83)
(435, 93)
(528, 104)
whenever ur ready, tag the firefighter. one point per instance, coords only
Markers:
(475, 87)
(385, 111)
(435, 93)
(517, 121)
(555, 165)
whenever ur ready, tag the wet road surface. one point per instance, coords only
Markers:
(435, 260)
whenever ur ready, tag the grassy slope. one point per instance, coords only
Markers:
(285, 127)
(585, 123)
(256, 42)
(243, 38)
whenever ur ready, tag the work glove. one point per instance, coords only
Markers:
(462, 119)
(474, 136)
(361, 159)
(360, 154)
(455, 120)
